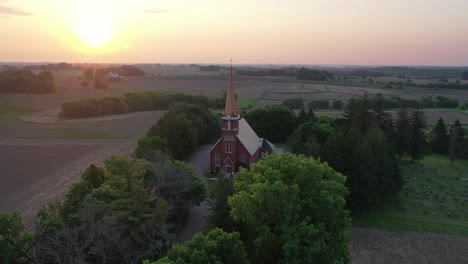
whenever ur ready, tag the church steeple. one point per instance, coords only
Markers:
(230, 108)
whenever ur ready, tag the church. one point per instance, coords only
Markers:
(239, 145)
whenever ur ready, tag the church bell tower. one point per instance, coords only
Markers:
(230, 128)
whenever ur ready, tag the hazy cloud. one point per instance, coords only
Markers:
(156, 11)
(12, 11)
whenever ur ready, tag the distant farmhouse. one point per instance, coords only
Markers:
(239, 145)
(114, 77)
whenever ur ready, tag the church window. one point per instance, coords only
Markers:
(242, 158)
(229, 138)
(217, 159)
(228, 148)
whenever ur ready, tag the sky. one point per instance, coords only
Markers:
(341, 32)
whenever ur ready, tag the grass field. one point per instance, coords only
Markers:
(434, 198)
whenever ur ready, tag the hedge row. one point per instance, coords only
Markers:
(131, 102)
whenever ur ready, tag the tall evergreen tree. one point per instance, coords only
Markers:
(357, 114)
(418, 142)
(402, 135)
(439, 138)
(455, 147)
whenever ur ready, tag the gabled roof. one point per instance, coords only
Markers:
(216, 144)
(267, 145)
(248, 137)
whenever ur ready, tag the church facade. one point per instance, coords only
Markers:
(239, 145)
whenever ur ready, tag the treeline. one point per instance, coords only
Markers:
(404, 72)
(452, 141)
(299, 73)
(379, 101)
(130, 102)
(181, 130)
(13, 80)
(438, 85)
(63, 66)
(395, 102)
(127, 210)
(210, 68)
(364, 145)
(98, 76)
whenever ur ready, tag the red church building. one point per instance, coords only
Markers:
(239, 145)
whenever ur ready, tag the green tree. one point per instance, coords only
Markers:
(148, 146)
(215, 247)
(465, 75)
(418, 143)
(219, 215)
(296, 207)
(439, 138)
(357, 114)
(337, 105)
(93, 177)
(402, 133)
(456, 141)
(179, 133)
(294, 103)
(275, 123)
(15, 243)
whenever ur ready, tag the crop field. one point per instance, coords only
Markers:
(41, 155)
(434, 198)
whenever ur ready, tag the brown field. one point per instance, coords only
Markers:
(40, 156)
(372, 245)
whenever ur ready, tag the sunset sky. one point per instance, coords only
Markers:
(370, 32)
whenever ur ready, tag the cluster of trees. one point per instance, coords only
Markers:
(396, 102)
(210, 68)
(442, 84)
(62, 66)
(15, 243)
(125, 70)
(452, 141)
(286, 209)
(299, 73)
(316, 75)
(294, 103)
(364, 146)
(403, 72)
(464, 75)
(298, 103)
(129, 102)
(275, 123)
(97, 76)
(127, 211)
(13, 80)
(325, 104)
(180, 131)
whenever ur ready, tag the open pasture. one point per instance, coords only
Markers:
(434, 198)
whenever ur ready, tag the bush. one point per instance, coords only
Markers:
(294, 103)
(319, 104)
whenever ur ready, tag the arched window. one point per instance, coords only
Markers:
(228, 148)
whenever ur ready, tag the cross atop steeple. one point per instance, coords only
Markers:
(231, 107)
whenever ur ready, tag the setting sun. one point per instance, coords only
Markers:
(94, 31)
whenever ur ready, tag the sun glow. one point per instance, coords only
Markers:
(94, 31)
